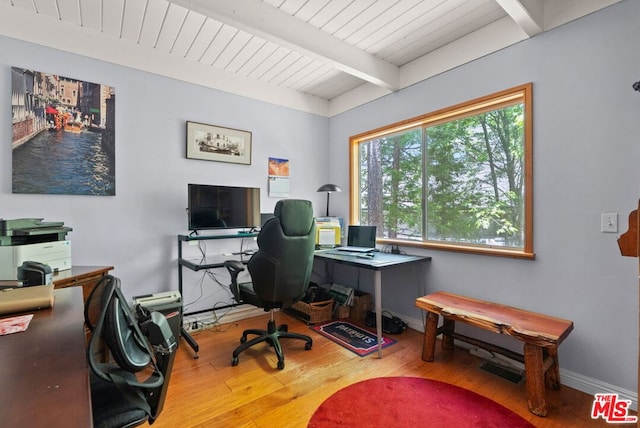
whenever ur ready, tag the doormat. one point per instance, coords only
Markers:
(352, 337)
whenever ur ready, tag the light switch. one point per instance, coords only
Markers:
(609, 223)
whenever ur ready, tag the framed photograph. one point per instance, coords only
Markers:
(215, 143)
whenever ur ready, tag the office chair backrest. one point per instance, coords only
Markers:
(136, 344)
(281, 268)
(129, 349)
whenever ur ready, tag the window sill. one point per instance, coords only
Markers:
(484, 250)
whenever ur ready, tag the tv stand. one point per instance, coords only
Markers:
(197, 267)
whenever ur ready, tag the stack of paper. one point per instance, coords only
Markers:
(342, 294)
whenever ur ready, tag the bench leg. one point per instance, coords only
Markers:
(430, 332)
(534, 371)
(552, 375)
(448, 327)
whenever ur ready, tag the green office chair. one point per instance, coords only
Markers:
(131, 390)
(280, 271)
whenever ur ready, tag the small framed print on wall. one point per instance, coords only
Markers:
(216, 143)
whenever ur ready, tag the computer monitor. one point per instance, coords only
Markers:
(217, 207)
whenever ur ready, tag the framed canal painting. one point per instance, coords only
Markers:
(215, 143)
(63, 135)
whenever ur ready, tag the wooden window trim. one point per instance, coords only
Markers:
(505, 98)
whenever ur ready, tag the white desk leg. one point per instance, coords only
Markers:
(377, 282)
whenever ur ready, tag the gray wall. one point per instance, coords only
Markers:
(586, 155)
(135, 231)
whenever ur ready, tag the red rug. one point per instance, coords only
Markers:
(411, 402)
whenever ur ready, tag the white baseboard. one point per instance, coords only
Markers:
(569, 378)
(593, 386)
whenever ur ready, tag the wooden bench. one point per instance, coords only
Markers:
(541, 335)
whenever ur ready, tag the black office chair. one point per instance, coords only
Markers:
(280, 271)
(131, 390)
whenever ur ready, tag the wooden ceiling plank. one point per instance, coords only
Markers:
(443, 27)
(269, 62)
(91, 14)
(420, 18)
(69, 11)
(280, 67)
(328, 13)
(134, 12)
(262, 54)
(288, 6)
(246, 54)
(43, 7)
(171, 25)
(204, 37)
(218, 44)
(443, 36)
(153, 19)
(311, 9)
(192, 25)
(309, 73)
(235, 45)
(112, 17)
(292, 72)
(355, 9)
(382, 22)
(24, 4)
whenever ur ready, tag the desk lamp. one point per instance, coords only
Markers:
(329, 188)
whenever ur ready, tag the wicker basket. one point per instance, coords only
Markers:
(362, 303)
(343, 311)
(312, 313)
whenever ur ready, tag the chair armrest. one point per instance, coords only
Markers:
(234, 267)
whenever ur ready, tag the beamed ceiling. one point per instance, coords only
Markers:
(320, 56)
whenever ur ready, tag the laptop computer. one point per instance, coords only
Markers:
(360, 239)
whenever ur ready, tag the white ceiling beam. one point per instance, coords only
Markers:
(528, 14)
(269, 23)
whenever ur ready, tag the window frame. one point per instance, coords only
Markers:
(519, 94)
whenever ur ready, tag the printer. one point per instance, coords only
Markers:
(32, 239)
(56, 254)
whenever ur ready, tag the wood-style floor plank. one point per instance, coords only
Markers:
(209, 392)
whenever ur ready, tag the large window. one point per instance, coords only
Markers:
(458, 178)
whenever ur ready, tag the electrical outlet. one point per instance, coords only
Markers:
(609, 222)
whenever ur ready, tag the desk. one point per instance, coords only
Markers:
(377, 263)
(85, 277)
(44, 378)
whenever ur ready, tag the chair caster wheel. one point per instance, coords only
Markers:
(280, 365)
(307, 346)
(234, 361)
(284, 328)
(243, 339)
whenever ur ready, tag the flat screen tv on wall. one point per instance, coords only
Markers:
(223, 207)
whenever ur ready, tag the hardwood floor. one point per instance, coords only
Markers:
(209, 392)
